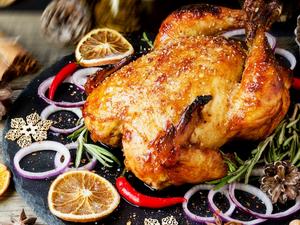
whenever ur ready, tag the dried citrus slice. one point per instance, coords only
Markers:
(4, 178)
(82, 196)
(101, 47)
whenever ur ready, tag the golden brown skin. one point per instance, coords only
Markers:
(195, 20)
(142, 100)
(261, 100)
(173, 108)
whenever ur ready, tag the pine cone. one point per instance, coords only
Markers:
(281, 181)
(66, 21)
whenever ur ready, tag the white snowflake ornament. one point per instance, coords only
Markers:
(24, 131)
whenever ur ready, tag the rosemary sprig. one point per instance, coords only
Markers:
(76, 133)
(105, 157)
(283, 144)
(147, 40)
(101, 154)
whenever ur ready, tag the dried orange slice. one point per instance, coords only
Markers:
(101, 47)
(4, 178)
(82, 196)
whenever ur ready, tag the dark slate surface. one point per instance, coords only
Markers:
(35, 192)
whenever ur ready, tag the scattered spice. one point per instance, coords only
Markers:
(218, 221)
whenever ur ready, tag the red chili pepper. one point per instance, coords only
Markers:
(138, 199)
(296, 83)
(60, 77)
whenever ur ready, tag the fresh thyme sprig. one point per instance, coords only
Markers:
(283, 144)
(105, 157)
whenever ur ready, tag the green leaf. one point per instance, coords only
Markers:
(80, 141)
(287, 141)
(238, 159)
(102, 151)
(79, 121)
(292, 123)
(241, 172)
(102, 155)
(262, 146)
(76, 133)
(281, 137)
(297, 157)
(78, 153)
(98, 158)
(282, 156)
(222, 183)
(147, 40)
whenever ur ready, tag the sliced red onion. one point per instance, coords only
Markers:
(42, 146)
(52, 109)
(288, 55)
(212, 205)
(89, 166)
(42, 93)
(232, 33)
(252, 190)
(202, 219)
(264, 198)
(80, 77)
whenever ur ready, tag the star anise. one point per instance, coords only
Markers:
(281, 181)
(23, 219)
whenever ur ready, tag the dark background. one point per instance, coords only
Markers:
(162, 8)
(290, 6)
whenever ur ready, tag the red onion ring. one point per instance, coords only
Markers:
(53, 108)
(89, 166)
(270, 37)
(212, 205)
(42, 146)
(195, 217)
(288, 55)
(264, 198)
(227, 217)
(42, 94)
(79, 78)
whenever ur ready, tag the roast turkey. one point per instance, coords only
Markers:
(173, 108)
